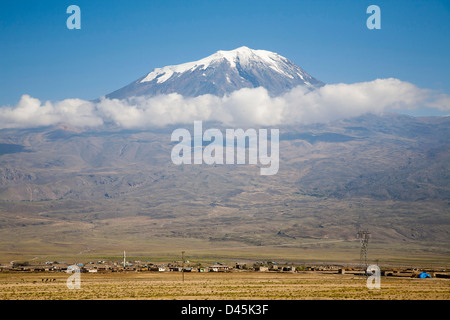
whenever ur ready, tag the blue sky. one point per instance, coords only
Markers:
(120, 41)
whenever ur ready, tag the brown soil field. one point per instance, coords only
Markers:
(217, 286)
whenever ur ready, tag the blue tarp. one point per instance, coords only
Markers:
(424, 275)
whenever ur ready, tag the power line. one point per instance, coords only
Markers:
(182, 268)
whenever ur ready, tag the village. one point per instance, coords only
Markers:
(185, 266)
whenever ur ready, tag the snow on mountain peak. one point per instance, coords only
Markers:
(242, 55)
(222, 73)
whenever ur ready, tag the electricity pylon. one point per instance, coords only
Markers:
(363, 236)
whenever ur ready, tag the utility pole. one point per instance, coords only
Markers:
(182, 268)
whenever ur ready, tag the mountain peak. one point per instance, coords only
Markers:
(222, 73)
(245, 55)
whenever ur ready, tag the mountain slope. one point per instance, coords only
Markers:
(65, 191)
(222, 73)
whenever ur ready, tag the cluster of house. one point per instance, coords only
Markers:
(104, 266)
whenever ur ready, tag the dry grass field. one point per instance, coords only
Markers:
(217, 286)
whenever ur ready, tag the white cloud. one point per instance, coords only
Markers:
(140, 112)
(337, 101)
(441, 102)
(30, 113)
(244, 107)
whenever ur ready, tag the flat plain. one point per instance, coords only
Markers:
(218, 286)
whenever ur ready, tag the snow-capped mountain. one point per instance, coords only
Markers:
(221, 73)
